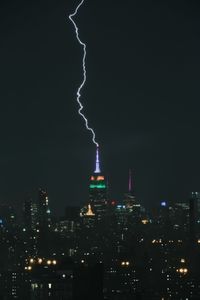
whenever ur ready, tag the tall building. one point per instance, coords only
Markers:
(44, 213)
(129, 198)
(43, 223)
(30, 214)
(98, 190)
(194, 216)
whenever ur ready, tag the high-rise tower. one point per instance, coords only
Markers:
(194, 212)
(30, 211)
(44, 223)
(129, 198)
(43, 210)
(132, 206)
(98, 190)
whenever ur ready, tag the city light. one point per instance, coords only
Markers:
(99, 178)
(145, 222)
(97, 186)
(121, 206)
(154, 241)
(40, 261)
(182, 271)
(125, 263)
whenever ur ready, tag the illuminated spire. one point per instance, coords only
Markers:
(130, 181)
(97, 170)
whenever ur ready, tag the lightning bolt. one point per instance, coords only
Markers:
(84, 74)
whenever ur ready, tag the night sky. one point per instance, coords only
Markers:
(142, 99)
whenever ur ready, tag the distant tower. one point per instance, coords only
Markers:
(44, 217)
(98, 190)
(129, 198)
(30, 214)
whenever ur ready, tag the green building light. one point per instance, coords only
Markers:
(97, 186)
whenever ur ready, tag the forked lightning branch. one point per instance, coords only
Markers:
(71, 16)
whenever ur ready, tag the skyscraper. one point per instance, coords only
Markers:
(44, 223)
(44, 214)
(129, 198)
(30, 214)
(194, 203)
(98, 190)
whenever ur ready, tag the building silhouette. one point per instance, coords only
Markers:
(193, 215)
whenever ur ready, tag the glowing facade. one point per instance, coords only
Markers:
(89, 212)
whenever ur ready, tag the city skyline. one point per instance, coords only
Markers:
(99, 174)
(141, 96)
(104, 250)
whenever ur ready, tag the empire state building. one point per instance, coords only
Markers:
(98, 190)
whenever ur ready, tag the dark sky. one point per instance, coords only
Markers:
(142, 98)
